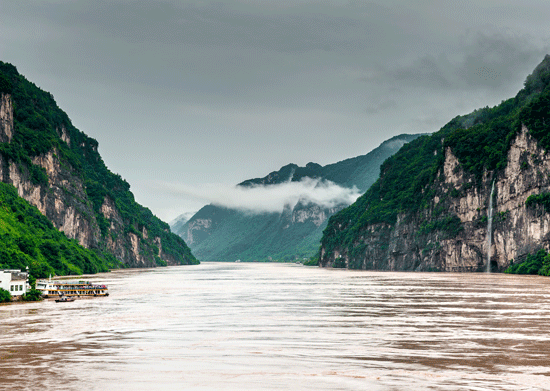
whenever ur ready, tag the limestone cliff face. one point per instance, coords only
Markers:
(196, 228)
(315, 214)
(517, 229)
(64, 201)
(6, 117)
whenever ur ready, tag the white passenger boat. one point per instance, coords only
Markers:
(70, 288)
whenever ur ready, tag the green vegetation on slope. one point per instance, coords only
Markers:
(400, 187)
(539, 199)
(28, 238)
(538, 263)
(484, 146)
(255, 237)
(38, 124)
(480, 141)
(5, 85)
(5, 296)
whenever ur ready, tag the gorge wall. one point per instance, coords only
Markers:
(517, 229)
(53, 180)
(6, 117)
(429, 210)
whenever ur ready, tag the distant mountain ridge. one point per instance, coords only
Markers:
(216, 233)
(360, 171)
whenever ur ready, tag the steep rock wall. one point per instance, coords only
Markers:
(6, 118)
(517, 229)
(312, 213)
(65, 203)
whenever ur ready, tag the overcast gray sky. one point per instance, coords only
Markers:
(204, 93)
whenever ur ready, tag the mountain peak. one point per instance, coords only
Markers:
(537, 81)
(312, 166)
(398, 141)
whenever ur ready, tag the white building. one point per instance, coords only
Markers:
(14, 281)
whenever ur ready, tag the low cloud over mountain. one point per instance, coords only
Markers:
(270, 198)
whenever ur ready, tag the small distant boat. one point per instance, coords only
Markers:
(64, 299)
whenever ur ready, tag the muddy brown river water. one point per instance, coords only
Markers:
(239, 326)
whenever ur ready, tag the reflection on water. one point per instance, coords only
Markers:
(274, 327)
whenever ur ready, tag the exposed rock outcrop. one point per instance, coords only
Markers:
(517, 229)
(197, 226)
(63, 199)
(6, 117)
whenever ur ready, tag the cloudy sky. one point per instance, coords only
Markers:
(201, 95)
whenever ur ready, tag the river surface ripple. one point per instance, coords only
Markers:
(239, 326)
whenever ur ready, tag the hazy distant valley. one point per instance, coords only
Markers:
(291, 227)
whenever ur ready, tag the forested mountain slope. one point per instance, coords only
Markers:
(58, 169)
(223, 234)
(430, 208)
(28, 238)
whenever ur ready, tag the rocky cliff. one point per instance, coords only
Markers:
(444, 225)
(6, 117)
(57, 168)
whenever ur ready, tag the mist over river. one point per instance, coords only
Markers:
(241, 326)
